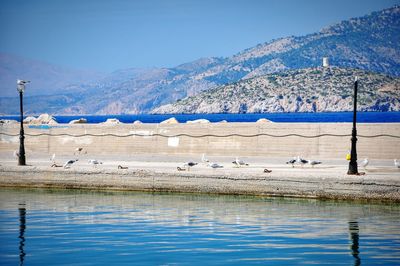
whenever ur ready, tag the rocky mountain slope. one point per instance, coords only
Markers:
(303, 90)
(371, 43)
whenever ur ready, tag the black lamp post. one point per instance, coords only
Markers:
(21, 89)
(353, 168)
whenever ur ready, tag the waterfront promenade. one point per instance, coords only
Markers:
(159, 173)
(152, 159)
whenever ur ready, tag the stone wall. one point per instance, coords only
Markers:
(334, 147)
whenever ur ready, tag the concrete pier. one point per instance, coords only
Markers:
(152, 159)
(329, 182)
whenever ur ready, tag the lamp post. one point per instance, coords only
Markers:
(21, 89)
(353, 168)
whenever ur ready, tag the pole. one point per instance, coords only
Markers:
(353, 168)
(22, 227)
(21, 158)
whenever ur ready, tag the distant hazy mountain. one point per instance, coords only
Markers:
(370, 43)
(46, 78)
(301, 90)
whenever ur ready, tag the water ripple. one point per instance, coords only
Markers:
(86, 228)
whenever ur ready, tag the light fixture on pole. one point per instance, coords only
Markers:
(353, 167)
(21, 155)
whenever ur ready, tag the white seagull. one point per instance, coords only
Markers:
(292, 162)
(53, 160)
(301, 161)
(16, 154)
(189, 164)
(239, 163)
(204, 158)
(94, 162)
(215, 165)
(396, 163)
(365, 163)
(312, 163)
(69, 163)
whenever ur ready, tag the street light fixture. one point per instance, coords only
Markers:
(353, 167)
(21, 89)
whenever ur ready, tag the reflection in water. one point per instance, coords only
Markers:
(22, 226)
(353, 229)
(93, 228)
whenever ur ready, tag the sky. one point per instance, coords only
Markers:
(107, 35)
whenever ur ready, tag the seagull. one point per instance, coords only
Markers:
(16, 154)
(312, 163)
(239, 163)
(301, 160)
(204, 159)
(69, 163)
(122, 167)
(292, 162)
(364, 163)
(267, 170)
(215, 165)
(22, 82)
(78, 150)
(189, 164)
(94, 162)
(396, 163)
(53, 160)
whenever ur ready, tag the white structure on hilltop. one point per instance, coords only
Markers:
(325, 62)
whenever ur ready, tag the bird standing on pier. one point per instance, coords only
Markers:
(68, 164)
(301, 161)
(292, 162)
(239, 163)
(204, 159)
(396, 163)
(94, 162)
(189, 164)
(313, 163)
(365, 163)
(53, 160)
(16, 154)
(215, 165)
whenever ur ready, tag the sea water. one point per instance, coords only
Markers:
(333, 117)
(60, 227)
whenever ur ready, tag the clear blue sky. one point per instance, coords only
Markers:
(107, 35)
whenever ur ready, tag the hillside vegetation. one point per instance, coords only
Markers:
(303, 90)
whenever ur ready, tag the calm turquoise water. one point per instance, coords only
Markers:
(39, 227)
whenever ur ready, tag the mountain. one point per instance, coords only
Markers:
(370, 43)
(302, 90)
(46, 78)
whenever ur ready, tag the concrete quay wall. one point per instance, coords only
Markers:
(322, 185)
(63, 139)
